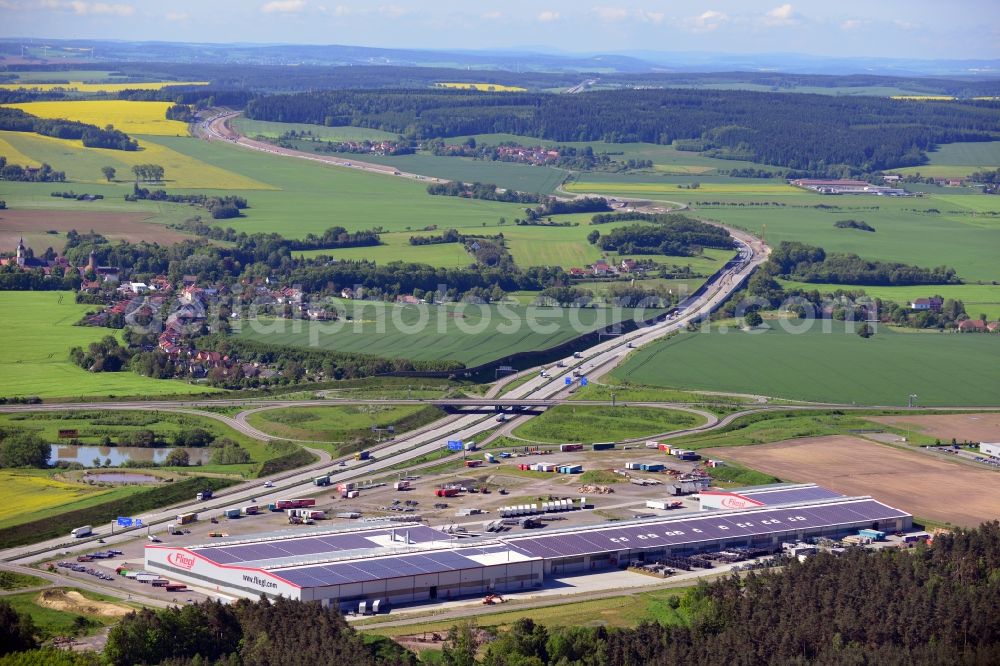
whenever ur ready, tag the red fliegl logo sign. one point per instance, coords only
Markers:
(736, 502)
(181, 560)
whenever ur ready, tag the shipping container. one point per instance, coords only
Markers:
(322, 480)
(232, 513)
(604, 446)
(401, 485)
(473, 463)
(446, 492)
(571, 447)
(351, 494)
(186, 518)
(175, 587)
(251, 510)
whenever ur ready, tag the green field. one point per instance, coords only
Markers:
(959, 159)
(38, 336)
(942, 369)
(396, 246)
(339, 423)
(665, 158)
(470, 334)
(507, 175)
(978, 298)
(312, 197)
(83, 165)
(272, 130)
(570, 423)
(956, 236)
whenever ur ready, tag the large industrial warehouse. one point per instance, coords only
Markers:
(412, 562)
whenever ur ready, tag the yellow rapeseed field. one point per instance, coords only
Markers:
(129, 117)
(22, 492)
(84, 164)
(80, 86)
(13, 155)
(494, 87)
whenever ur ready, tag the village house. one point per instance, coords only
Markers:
(601, 267)
(978, 326)
(933, 303)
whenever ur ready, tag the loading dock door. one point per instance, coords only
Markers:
(433, 592)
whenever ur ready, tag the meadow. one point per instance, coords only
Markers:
(127, 116)
(340, 423)
(273, 130)
(571, 423)
(978, 298)
(839, 366)
(310, 197)
(958, 160)
(105, 87)
(38, 336)
(507, 175)
(25, 492)
(83, 165)
(665, 158)
(471, 334)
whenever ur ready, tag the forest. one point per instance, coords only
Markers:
(675, 235)
(926, 606)
(814, 134)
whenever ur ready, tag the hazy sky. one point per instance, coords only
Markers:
(905, 28)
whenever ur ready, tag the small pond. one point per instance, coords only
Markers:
(85, 455)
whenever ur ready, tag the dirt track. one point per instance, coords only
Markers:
(971, 427)
(921, 484)
(71, 601)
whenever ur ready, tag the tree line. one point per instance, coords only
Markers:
(92, 136)
(671, 234)
(27, 174)
(807, 263)
(220, 207)
(810, 134)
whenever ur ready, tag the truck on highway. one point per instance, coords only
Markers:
(81, 532)
(204, 495)
(362, 455)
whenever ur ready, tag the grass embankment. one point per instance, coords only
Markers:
(10, 580)
(623, 611)
(343, 424)
(69, 612)
(839, 366)
(37, 340)
(133, 503)
(569, 423)
(763, 428)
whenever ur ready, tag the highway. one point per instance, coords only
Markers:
(544, 389)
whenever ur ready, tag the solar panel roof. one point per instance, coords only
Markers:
(393, 566)
(790, 494)
(318, 544)
(703, 527)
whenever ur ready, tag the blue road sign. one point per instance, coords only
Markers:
(124, 521)
(569, 380)
(454, 445)
(583, 381)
